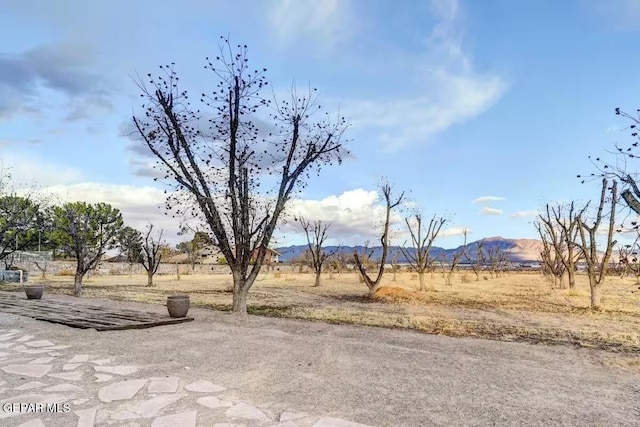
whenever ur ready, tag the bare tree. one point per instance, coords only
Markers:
(339, 260)
(597, 267)
(568, 223)
(629, 260)
(316, 233)
(374, 284)
(219, 170)
(455, 260)
(394, 263)
(553, 247)
(422, 240)
(478, 262)
(151, 254)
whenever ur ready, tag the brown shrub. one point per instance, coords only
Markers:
(65, 273)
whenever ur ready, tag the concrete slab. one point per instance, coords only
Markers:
(183, 419)
(34, 371)
(163, 385)
(118, 370)
(79, 358)
(121, 390)
(69, 376)
(86, 417)
(213, 402)
(203, 386)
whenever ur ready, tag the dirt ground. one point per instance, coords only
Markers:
(516, 307)
(375, 376)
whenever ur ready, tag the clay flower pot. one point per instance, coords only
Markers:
(178, 305)
(34, 291)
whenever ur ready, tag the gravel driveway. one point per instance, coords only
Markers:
(372, 376)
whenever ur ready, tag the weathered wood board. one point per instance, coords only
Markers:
(83, 314)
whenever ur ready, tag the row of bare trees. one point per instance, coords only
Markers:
(418, 254)
(569, 236)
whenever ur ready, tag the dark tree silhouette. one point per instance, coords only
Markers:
(362, 259)
(620, 171)
(218, 162)
(316, 233)
(151, 254)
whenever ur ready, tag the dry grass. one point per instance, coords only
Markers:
(517, 307)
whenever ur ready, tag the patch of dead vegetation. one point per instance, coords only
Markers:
(516, 307)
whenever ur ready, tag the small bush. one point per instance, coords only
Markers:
(222, 261)
(465, 278)
(485, 277)
(413, 277)
(277, 275)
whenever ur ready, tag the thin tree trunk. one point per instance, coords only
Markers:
(421, 280)
(317, 281)
(77, 283)
(149, 279)
(595, 297)
(563, 284)
(374, 289)
(572, 278)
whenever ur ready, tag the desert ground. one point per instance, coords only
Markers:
(518, 306)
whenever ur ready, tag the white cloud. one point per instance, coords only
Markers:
(454, 231)
(325, 22)
(524, 214)
(487, 199)
(490, 211)
(29, 169)
(139, 205)
(355, 215)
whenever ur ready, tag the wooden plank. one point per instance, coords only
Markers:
(83, 316)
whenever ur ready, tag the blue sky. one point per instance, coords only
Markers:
(454, 101)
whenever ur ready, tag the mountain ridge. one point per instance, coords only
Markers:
(518, 250)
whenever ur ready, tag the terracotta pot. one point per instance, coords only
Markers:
(178, 305)
(34, 291)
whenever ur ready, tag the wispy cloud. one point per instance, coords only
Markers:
(487, 199)
(448, 89)
(63, 69)
(524, 214)
(490, 211)
(324, 22)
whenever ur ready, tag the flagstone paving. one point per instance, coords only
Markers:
(93, 390)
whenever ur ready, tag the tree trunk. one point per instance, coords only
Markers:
(317, 281)
(373, 289)
(421, 279)
(149, 279)
(240, 294)
(77, 283)
(595, 297)
(572, 279)
(239, 305)
(563, 284)
(395, 271)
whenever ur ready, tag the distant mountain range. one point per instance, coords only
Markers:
(519, 250)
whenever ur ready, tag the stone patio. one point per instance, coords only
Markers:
(100, 392)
